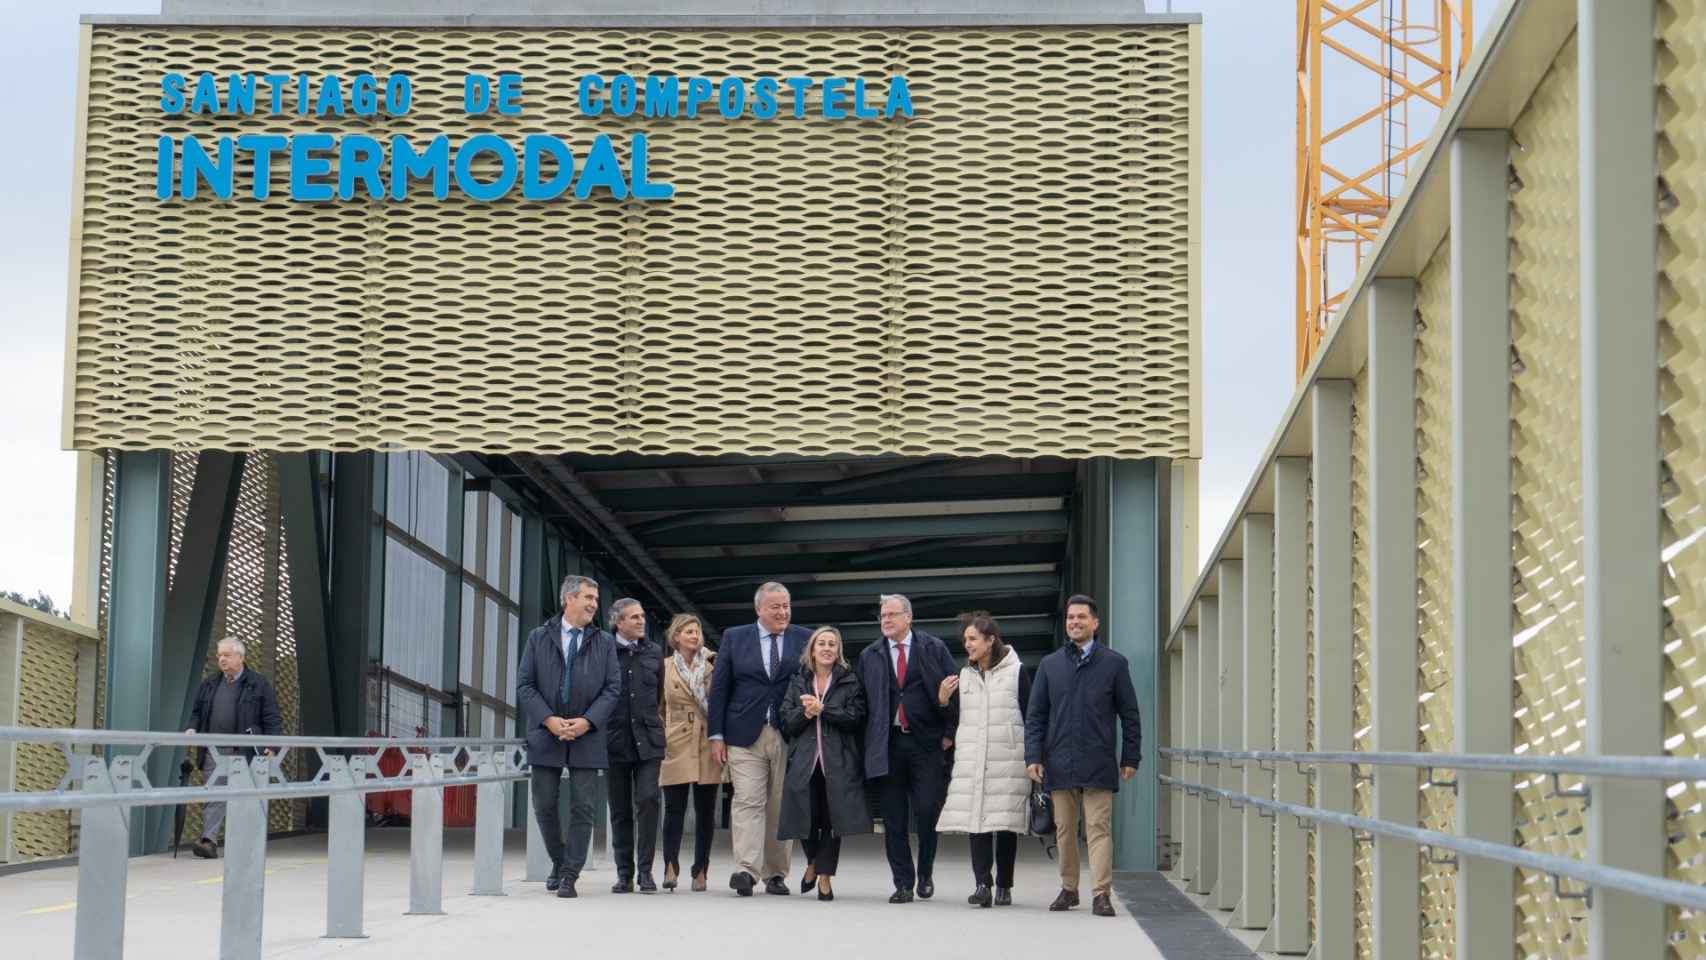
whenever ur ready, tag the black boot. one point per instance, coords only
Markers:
(981, 896)
(1004, 896)
(555, 880)
(566, 886)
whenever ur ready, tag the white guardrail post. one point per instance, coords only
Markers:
(103, 863)
(489, 810)
(346, 849)
(245, 859)
(426, 836)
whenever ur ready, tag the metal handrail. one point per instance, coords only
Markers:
(169, 796)
(145, 738)
(1620, 767)
(1680, 893)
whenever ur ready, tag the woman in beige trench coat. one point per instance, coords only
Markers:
(688, 771)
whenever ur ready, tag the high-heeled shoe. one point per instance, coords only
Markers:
(698, 881)
(824, 890)
(807, 881)
(670, 873)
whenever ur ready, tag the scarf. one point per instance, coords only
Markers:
(697, 676)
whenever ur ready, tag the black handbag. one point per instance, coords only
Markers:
(1039, 810)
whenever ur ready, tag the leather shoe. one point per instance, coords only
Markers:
(1102, 905)
(647, 884)
(1066, 901)
(1004, 896)
(900, 895)
(777, 887)
(980, 897)
(622, 885)
(926, 889)
(205, 849)
(553, 881)
(741, 883)
(566, 888)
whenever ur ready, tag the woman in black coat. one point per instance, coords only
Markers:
(823, 793)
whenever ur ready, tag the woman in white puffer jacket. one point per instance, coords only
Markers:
(986, 797)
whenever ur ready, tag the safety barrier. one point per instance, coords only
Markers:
(107, 785)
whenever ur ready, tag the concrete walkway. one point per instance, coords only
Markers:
(173, 911)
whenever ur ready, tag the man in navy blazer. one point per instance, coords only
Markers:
(754, 664)
(566, 685)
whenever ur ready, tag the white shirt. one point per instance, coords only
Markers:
(895, 646)
(571, 639)
(764, 636)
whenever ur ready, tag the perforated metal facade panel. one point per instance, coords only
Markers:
(1004, 273)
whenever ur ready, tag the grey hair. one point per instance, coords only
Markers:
(840, 647)
(769, 586)
(905, 604)
(242, 651)
(573, 583)
(620, 607)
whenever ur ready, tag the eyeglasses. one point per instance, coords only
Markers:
(891, 615)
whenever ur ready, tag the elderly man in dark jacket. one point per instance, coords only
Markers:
(1080, 692)
(566, 686)
(236, 700)
(636, 749)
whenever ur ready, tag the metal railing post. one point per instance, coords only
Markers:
(1256, 907)
(244, 895)
(426, 836)
(1392, 605)
(1622, 595)
(1482, 660)
(1335, 878)
(1184, 725)
(1208, 734)
(1231, 598)
(1289, 932)
(103, 864)
(346, 849)
(489, 807)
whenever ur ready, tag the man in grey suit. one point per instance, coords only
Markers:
(566, 686)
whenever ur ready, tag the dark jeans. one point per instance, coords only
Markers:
(822, 847)
(675, 823)
(996, 849)
(633, 808)
(912, 793)
(547, 784)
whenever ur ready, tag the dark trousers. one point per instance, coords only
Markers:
(822, 847)
(547, 784)
(912, 793)
(996, 850)
(675, 798)
(634, 797)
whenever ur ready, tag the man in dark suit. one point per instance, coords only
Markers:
(566, 686)
(636, 749)
(753, 667)
(234, 700)
(1081, 694)
(907, 737)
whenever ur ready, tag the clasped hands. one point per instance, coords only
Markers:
(812, 705)
(567, 730)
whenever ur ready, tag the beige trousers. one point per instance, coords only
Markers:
(1096, 807)
(757, 772)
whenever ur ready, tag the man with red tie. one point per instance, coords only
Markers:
(907, 737)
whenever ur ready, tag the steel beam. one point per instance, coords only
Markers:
(1289, 932)
(967, 584)
(826, 531)
(1208, 734)
(1231, 867)
(1482, 663)
(1190, 736)
(783, 564)
(1256, 906)
(1391, 458)
(358, 583)
(136, 613)
(1622, 596)
(1133, 621)
(1335, 883)
(786, 493)
(305, 541)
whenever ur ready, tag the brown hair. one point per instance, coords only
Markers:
(840, 647)
(983, 623)
(681, 622)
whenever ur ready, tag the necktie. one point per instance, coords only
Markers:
(900, 683)
(775, 656)
(568, 661)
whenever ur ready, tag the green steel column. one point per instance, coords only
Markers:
(451, 657)
(136, 610)
(358, 582)
(1134, 603)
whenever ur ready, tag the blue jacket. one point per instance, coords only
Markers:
(1069, 726)
(931, 721)
(741, 692)
(594, 685)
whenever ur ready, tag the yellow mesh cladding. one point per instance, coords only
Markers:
(1006, 273)
(1546, 457)
(1362, 679)
(1682, 393)
(1433, 582)
(47, 698)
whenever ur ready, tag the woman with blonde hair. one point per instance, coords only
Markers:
(688, 768)
(823, 792)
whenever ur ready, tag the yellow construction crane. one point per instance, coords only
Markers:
(1411, 51)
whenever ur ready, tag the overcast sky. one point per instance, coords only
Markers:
(1247, 309)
